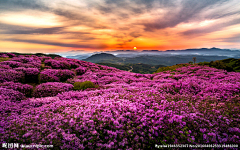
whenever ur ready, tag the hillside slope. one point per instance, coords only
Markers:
(99, 57)
(136, 68)
(166, 60)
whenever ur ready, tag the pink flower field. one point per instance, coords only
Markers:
(190, 105)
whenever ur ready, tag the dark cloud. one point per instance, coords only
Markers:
(185, 11)
(138, 6)
(51, 43)
(135, 34)
(16, 5)
(69, 16)
(220, 15)
(209, 29)
(9, 27)
(13, 29)
(76, 18)
(190, 10)
(104, 9)
(198, 32)
(123, 28)
(76, 51)
(234, 39)
(53, 30)
(123, 9)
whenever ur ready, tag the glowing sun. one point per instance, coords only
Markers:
(135, 48)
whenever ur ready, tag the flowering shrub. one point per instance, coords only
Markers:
(11, 55)
(38, 102)
(25, 59)
(31, 74)
(23, 88)
(182, 104)
(57, 64)
(48, 75)
(28, 61)
(47, 67)
(51, 89)
(12, 64)
(28, 65)
(52, 75)
(65, 74)
(42, 78)
(51, 62)
(35, 64)
(4, 55)
(5, 67)
(74, 65)
(64, 65)
(10, 95)
(11, 75)
(80, 70)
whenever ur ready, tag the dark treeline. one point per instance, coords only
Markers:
(230, 64)
(136, 68)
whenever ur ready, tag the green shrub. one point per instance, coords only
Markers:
(83, 85)
(4, 59)
(171, 68)
(42, 66)
(203, 63)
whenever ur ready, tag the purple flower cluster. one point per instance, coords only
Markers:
(25, 59)
(11, 75)
(51, 89)
(11, 55)
(28, 71)
(31, 74)
(48, 75)
(28, 61)
(8, 55)
(5, 67)
(4, 55)
(52, 75)
(65, 74)
(55, 64)
(80, 70)
(12, 64)
(192, 105)
(73, 64)
(10, 95)
(23, 88)
(47, 67)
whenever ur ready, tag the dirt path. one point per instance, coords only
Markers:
(130, 69)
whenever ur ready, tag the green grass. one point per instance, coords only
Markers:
(83, 85)
(4, 59)
(171, 68)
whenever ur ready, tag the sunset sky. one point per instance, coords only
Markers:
(52, 26)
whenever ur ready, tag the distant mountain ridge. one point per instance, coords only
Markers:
(165, 60)
(155, 57)
(100, 57)
(191, 49)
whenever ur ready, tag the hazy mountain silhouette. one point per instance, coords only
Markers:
(156, 57)
(165, 60)
(96, 58)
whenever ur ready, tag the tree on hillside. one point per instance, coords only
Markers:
(194, 59)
